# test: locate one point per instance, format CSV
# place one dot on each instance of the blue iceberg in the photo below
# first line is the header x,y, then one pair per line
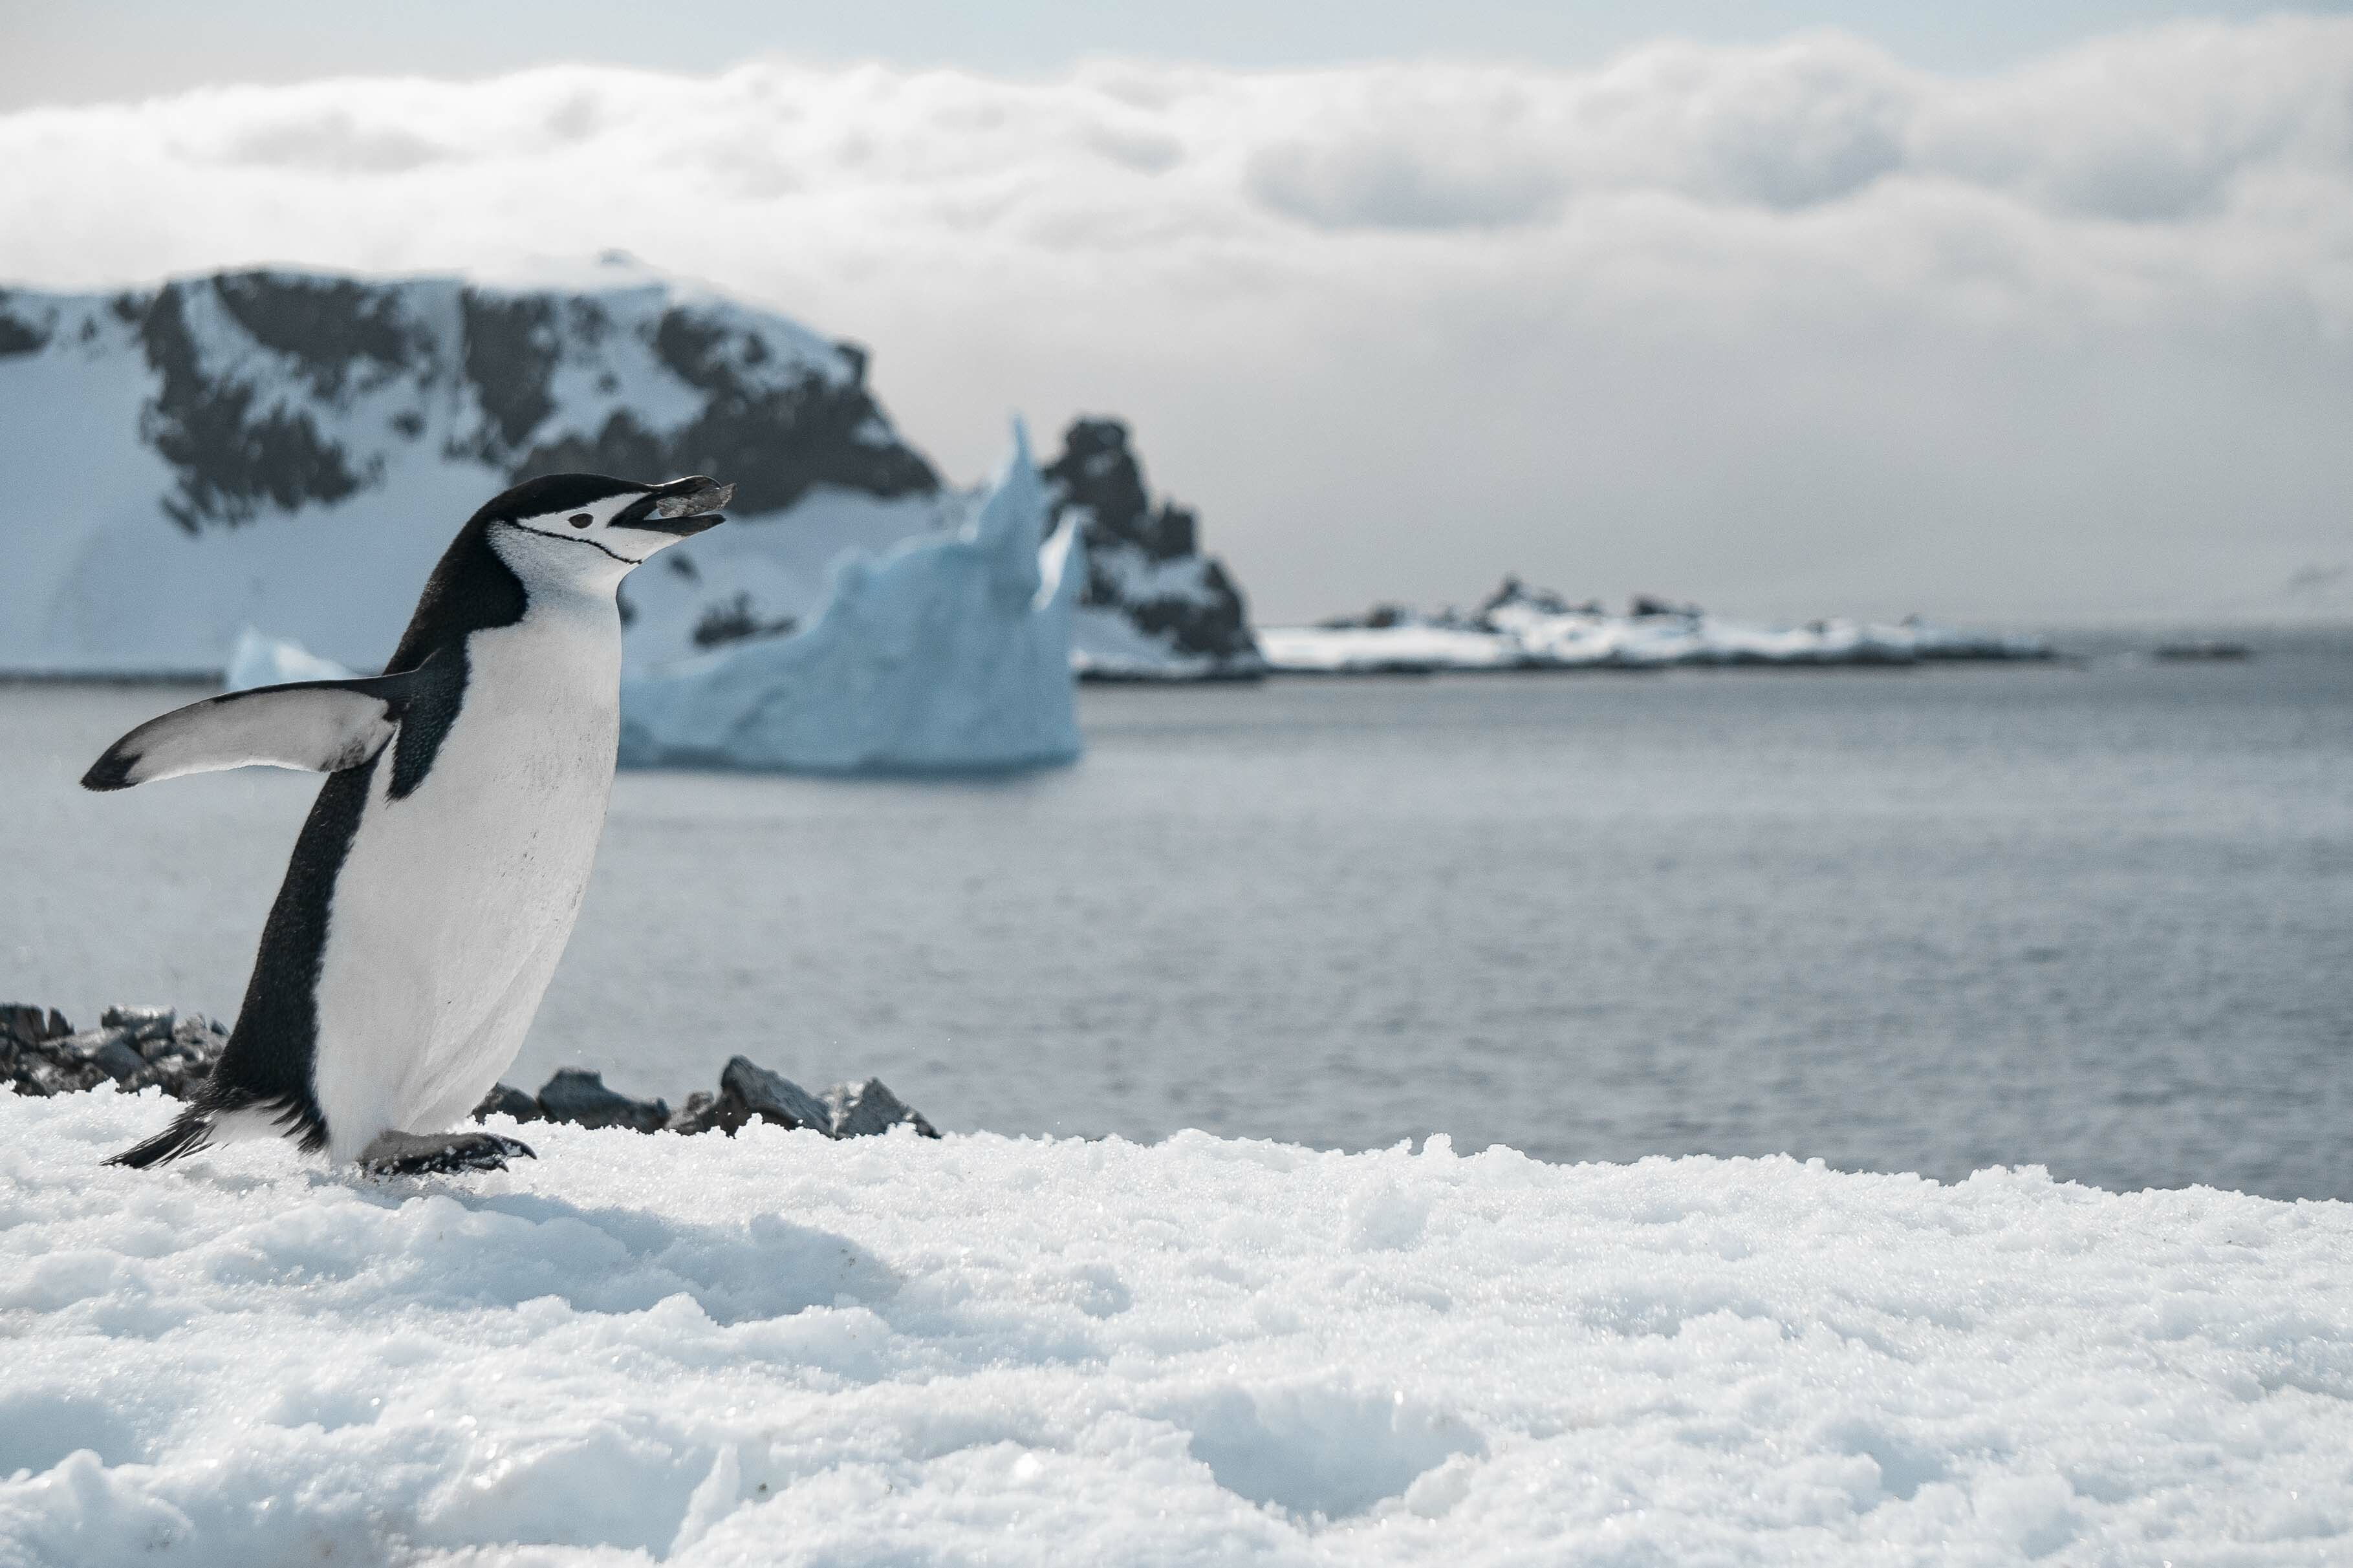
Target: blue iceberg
x,y
948,654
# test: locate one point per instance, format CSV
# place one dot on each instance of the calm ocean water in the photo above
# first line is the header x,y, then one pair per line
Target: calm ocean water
x,y
2095,918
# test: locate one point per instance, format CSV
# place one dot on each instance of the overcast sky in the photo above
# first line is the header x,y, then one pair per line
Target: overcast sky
x,y
2047,316
84,53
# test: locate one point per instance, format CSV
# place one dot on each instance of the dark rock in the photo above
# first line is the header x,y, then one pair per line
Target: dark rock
x,y
109,1050
578,1096
137,1047
143,1023
177,1076
40,1076
506,1099
702,1113
197,1036
769,1096
863,1109
18,336
22,1025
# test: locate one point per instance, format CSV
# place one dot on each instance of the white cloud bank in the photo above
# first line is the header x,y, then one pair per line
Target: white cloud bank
x,y
1791,330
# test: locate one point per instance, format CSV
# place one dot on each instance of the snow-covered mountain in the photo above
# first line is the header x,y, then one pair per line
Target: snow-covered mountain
x,y
291,451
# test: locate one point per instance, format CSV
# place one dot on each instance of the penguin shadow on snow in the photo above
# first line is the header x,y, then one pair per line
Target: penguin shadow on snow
x,y
506,1248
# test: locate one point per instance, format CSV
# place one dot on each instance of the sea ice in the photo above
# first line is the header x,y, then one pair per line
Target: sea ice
x,y
950,653
780,1348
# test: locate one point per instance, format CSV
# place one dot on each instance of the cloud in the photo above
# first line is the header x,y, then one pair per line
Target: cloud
x,y
1798,326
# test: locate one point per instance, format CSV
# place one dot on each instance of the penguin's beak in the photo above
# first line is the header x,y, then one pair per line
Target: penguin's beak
x,y
680,508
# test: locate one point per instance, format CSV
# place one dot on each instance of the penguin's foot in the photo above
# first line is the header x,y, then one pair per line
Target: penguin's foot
x,y
412,1154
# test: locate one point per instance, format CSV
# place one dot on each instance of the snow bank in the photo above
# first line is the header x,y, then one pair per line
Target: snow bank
x,y
784,1348
951,653
259,660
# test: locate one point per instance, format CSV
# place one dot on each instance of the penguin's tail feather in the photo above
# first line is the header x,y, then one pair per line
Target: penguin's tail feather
x,y
189,1132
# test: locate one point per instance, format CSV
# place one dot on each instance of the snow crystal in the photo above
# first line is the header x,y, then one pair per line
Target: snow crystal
x,y
784,1348
950,653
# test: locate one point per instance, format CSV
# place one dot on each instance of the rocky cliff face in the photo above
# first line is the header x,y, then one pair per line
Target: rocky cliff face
x,y
1154,606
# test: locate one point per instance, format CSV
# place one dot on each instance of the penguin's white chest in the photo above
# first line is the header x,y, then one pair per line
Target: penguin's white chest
x,y
454,903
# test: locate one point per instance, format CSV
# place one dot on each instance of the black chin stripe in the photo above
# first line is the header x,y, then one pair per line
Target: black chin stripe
x,y
576,539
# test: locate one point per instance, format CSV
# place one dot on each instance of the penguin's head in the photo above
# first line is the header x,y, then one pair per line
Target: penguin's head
x,y
590,529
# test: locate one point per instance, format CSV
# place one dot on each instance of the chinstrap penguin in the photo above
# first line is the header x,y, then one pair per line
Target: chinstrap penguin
x,y
439,875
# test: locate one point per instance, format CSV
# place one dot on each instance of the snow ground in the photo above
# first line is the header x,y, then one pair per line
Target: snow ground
x,y
784,1350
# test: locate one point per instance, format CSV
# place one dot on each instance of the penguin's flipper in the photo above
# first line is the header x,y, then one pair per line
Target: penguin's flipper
x,y
323,726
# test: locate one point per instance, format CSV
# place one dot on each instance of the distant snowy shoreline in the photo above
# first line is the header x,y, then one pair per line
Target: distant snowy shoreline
x,y
1520,628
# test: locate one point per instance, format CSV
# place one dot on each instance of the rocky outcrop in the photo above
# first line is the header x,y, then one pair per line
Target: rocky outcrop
x,y
140,1048
747,1092
1163,610
133,1047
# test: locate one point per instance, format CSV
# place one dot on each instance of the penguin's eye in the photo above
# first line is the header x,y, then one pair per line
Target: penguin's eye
x,y
581,519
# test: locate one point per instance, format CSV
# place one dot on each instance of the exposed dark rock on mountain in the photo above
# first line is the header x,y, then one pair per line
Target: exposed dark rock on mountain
x,y
1510,592
776,441
735,619
1651,605
18,336
232,448
1144,561
775,418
